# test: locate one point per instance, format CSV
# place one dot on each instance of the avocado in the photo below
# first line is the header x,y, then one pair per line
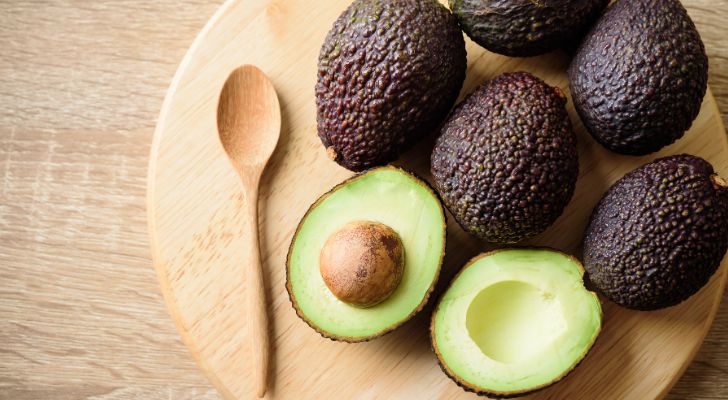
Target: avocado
x,y
639,76
522,28
388,73
659,233
366,255
505,163
514,321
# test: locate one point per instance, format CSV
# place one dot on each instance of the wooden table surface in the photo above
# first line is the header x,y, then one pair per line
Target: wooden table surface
x,y
81,315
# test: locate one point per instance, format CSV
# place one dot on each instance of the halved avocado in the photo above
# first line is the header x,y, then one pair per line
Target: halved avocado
x,y
387,198
514,321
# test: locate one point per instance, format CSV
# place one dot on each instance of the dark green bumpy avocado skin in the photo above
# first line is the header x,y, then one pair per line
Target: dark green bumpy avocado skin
x,y
505,163
639,76
658,234
389,71
521,28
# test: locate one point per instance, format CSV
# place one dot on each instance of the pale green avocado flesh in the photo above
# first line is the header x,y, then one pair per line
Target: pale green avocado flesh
x,y
515,320
387,195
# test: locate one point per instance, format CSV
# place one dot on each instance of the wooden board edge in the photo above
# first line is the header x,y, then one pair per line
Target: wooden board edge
x,y
722,280
157,261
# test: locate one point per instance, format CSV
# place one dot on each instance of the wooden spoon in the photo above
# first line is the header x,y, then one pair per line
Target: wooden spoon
x,y
249,124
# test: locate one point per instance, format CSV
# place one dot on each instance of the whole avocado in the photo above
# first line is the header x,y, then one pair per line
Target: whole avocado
x,y
388,73
659,233
639,76
505,163
522,28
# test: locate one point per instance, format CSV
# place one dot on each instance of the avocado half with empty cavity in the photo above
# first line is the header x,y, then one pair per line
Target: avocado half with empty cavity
x,y
366,255
514,321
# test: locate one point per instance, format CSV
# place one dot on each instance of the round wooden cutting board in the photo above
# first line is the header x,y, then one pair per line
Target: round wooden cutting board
x,y
195,220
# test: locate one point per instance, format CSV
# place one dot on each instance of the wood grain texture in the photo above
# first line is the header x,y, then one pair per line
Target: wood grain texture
x,y
81,316
196,217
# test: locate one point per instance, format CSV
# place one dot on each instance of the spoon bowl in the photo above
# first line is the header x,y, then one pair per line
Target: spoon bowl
x,y
248,117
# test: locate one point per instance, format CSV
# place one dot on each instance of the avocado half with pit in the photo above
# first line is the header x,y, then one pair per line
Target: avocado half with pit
x,y
514,321
366,255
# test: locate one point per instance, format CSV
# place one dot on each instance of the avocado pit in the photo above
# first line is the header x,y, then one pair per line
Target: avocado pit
x,y
362,263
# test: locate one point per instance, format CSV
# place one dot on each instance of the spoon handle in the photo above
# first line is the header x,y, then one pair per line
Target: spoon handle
x,y
258,315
